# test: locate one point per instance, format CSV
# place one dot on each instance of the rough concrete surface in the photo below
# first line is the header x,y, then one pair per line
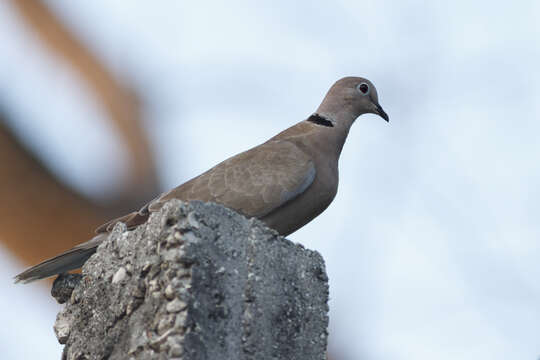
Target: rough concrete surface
x,y
197,282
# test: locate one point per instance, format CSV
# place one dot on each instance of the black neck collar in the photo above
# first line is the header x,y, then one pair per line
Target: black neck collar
x,y
320,120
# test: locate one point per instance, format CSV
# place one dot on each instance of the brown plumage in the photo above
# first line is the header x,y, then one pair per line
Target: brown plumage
x,y
285,182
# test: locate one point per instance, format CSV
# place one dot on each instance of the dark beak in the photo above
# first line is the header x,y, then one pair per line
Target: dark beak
x,y
379,111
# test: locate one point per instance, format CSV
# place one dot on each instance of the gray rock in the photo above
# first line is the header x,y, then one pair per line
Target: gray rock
x,y
197,282
63,286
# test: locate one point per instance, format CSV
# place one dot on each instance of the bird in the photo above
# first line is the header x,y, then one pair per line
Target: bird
x,y
285,182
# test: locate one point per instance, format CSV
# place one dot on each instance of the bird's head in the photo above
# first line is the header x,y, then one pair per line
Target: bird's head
x,y
349,98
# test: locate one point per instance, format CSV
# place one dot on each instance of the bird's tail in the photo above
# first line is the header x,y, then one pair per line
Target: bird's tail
x,y
72,259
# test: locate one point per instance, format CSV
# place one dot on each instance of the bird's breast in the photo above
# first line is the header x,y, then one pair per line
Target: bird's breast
x,y
308,205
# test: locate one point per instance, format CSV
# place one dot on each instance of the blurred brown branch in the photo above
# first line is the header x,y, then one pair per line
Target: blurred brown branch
x,y
120,102
39,215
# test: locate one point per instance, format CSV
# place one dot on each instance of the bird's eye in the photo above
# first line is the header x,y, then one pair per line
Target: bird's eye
x,y
363,88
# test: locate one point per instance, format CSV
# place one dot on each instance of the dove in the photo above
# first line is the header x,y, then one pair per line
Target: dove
x,y
285,182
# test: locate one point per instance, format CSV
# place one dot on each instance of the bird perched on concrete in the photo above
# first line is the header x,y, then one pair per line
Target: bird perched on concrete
x,y
285,182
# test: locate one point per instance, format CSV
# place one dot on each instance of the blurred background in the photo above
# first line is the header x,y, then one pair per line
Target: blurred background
x,y
432,243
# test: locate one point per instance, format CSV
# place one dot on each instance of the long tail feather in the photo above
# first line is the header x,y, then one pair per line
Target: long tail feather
x,y
69,260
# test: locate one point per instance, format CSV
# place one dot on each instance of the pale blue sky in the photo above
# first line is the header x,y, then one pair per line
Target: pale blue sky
x,y
432,242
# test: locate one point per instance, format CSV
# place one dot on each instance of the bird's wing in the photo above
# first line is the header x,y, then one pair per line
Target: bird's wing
x,y
254,183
